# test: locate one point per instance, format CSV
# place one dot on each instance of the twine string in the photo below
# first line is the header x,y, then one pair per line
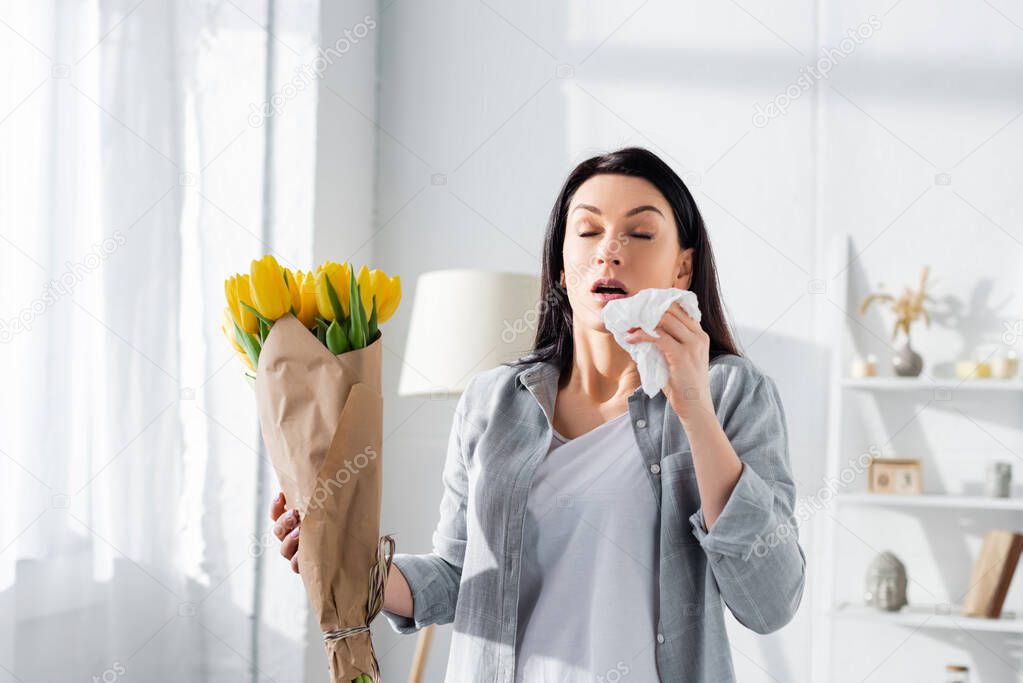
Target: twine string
x,y
377,580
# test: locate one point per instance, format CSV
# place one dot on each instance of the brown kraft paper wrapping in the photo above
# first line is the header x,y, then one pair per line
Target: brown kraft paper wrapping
x,y
321,418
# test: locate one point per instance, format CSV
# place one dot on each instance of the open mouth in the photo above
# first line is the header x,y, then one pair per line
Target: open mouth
x,y
607,289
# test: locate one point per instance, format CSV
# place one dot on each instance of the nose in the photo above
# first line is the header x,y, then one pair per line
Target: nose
x,y
608,253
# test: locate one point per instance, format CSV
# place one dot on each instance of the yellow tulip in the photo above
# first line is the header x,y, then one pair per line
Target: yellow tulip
x,y
270,293
246,360
337,274
305,301
387,291
237,291
227,327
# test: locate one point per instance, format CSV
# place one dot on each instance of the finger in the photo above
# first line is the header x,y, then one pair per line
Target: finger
x,y
290,545
660,342
689,331
681,331
691,323
687,320
285,523
677,313
294,563
277,506
674,330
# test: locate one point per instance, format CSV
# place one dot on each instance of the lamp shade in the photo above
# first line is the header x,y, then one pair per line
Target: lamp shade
x,y
464,322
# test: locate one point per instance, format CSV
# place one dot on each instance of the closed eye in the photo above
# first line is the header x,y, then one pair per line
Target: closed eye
x,y
640,236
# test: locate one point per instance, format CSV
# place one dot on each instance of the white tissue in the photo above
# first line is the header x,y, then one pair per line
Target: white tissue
x,y
644,309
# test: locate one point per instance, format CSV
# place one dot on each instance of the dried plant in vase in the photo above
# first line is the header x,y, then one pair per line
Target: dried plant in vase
x,y
907,309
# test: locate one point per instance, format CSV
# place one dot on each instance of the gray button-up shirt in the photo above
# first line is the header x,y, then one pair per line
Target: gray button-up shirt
x,y
750,561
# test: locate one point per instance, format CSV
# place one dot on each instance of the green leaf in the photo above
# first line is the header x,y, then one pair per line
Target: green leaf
x,y
264,332
321,323
372,326
287,286
357,324
256,313
337,342
339,312
249,343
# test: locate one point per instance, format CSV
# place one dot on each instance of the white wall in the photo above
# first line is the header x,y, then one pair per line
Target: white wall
x,y
483,110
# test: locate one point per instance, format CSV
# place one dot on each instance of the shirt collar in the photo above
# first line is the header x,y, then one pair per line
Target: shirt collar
x,y
541,379
535,373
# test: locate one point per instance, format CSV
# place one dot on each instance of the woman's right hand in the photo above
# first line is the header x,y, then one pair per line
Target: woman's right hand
x,y
397,593
286,529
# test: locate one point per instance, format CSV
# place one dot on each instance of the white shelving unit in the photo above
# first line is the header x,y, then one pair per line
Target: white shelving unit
x,y
833,608
930,384
930,617
931,501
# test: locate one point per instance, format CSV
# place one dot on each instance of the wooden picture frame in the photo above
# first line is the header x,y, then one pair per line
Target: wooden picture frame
x,y
895,476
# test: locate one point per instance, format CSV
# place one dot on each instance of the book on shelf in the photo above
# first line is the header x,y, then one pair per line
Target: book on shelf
x,y
992,574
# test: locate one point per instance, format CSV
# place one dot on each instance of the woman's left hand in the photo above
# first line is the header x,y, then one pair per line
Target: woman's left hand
x,y
686,349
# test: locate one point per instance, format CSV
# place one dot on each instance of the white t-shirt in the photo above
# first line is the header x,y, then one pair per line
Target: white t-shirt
x,y
588,588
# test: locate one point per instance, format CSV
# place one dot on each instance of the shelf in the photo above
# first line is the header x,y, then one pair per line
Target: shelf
x,y
852,419
925,383
929,384
930,617
931,501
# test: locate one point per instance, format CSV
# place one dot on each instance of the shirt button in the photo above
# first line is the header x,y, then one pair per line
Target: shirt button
x,y
641,423
660,637
655,468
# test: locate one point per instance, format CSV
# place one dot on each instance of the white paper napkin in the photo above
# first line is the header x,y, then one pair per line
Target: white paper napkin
x,y
644,310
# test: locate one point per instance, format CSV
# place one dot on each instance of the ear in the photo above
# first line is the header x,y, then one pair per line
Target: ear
x,y
684,268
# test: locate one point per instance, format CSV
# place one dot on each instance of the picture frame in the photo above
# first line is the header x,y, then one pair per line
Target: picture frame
x,y
895,476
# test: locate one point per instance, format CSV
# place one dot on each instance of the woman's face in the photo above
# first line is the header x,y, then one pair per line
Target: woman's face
x,y
619,228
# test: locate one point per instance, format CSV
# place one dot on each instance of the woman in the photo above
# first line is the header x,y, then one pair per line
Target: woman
x,y
587,531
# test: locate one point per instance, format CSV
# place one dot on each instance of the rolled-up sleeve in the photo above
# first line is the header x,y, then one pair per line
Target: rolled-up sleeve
x,y
753,545
434,578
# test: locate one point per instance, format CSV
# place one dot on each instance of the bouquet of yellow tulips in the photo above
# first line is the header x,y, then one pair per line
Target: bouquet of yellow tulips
x,y
321,301
311,344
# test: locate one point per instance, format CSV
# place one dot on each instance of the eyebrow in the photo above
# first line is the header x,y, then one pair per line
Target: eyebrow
x,y
632,212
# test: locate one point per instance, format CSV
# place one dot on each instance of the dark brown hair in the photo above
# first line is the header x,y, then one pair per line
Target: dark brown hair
x,y
553,341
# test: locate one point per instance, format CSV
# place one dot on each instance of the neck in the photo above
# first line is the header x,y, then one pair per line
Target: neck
x,y
600,368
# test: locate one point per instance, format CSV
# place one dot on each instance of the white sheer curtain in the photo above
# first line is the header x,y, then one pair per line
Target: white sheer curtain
x,y
131,181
